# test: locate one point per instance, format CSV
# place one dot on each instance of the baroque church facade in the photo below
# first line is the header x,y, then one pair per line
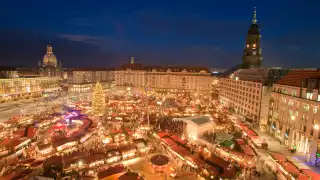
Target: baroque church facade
x,y
50,66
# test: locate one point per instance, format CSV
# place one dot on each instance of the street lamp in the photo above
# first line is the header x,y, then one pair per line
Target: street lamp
x,y
316,127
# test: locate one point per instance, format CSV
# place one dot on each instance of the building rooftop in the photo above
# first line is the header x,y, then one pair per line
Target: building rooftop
x,y
171,68
295,78
266,76
111,171
198,120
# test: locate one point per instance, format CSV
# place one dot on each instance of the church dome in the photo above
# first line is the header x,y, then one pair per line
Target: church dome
x,y
49,59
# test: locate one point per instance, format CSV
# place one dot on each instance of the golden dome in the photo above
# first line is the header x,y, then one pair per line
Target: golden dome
x,y
49,59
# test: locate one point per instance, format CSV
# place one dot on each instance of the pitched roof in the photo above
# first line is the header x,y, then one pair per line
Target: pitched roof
x,y
295,78
111,171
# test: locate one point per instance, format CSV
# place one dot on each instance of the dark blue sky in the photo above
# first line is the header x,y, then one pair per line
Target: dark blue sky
x,y
206,33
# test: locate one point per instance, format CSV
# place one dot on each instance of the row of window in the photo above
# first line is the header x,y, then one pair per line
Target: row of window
x,y
230,82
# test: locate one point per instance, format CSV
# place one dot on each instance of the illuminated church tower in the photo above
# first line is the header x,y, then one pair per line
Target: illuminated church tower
x,y
252,53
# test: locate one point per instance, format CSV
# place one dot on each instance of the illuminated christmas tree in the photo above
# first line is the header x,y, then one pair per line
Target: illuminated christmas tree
x,y
98,100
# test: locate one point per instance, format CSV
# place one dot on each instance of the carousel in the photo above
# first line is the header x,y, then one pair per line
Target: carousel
x,y
159,163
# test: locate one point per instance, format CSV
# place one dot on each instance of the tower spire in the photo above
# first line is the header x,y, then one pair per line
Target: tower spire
x,y
254,19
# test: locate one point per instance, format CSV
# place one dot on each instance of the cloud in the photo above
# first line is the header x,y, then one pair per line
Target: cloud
x,y
80,38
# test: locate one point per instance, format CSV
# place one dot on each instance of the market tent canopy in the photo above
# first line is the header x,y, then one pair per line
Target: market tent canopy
x,y
311,174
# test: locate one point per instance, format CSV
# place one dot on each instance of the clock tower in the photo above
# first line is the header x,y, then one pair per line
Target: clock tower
x,y
252,53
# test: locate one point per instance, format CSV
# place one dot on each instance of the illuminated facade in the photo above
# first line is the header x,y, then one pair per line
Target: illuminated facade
x,y
166,78
243,96
49,66
17,88
247,91
294,116
25,83
84,79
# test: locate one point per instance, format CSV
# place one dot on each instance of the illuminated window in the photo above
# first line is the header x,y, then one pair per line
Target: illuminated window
x,y
294,93
309,95
306,107
315,109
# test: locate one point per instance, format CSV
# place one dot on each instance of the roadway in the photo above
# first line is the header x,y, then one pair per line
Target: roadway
x,y
32,106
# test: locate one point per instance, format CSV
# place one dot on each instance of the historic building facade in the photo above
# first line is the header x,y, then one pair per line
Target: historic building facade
x,y
84,79
163,78
252,56
24,83
25,88
294,116
49,66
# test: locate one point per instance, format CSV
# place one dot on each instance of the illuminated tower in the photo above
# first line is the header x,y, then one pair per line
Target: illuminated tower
x,y
252,53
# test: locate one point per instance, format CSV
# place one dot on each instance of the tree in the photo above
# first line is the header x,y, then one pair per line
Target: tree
x,y
98,100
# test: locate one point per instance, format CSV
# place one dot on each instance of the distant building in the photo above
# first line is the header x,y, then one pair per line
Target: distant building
x,y
252,56
294,114
163,78
25,83
84,79
217,70
49,65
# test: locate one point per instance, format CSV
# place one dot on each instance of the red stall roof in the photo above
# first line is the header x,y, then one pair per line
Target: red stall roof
x,y
289,167
111,170
163,134
248,150
218,161
240,141
31,132
302,177
10,143
180,150
311,173
169,142
278,157
178,139
197,160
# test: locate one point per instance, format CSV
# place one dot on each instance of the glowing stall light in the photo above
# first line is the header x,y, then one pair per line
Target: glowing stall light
x,y
106,140
128,155
96,163
46,151
67,145
85,138
113,159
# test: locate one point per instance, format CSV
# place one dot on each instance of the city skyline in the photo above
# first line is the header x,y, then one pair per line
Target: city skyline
x,y
205,34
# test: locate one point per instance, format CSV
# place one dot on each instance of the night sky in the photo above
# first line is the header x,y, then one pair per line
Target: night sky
x,y
100,33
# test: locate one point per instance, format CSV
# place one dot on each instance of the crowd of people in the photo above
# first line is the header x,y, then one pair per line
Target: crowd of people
x,y
166,123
